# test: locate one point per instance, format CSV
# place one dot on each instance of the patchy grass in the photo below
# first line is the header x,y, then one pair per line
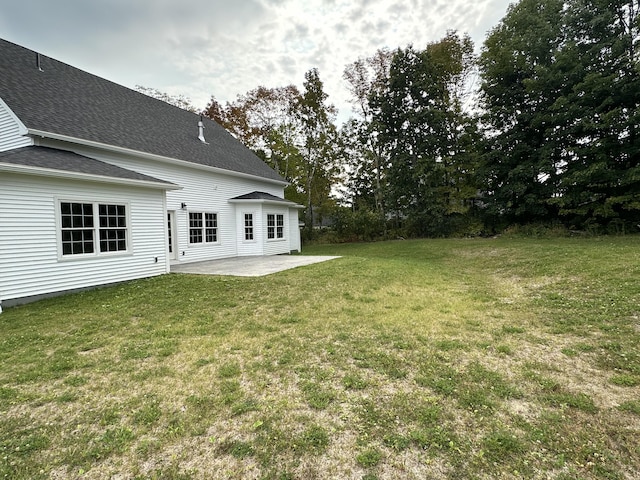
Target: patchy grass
x,y
443,359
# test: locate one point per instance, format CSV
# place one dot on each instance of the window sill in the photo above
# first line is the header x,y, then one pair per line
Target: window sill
x,y
94,256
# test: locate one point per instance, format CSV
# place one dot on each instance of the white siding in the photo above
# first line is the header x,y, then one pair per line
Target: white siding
x,y
30,263
278,245
248,247
12,132
204,191
294,231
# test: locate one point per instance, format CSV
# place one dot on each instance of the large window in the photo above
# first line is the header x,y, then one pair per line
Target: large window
x,y
203,227
275,226
81,234
248,226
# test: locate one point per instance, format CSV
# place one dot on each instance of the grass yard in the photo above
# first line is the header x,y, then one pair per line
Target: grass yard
x,y
439,359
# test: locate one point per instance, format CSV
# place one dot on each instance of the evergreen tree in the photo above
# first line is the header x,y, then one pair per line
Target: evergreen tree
x,y
597,118
427,135
520,166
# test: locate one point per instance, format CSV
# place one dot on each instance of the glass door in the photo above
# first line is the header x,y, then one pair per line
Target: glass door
x,y
171,235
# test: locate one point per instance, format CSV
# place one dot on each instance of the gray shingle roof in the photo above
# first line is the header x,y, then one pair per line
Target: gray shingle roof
x,y
51,158
261,196
64,100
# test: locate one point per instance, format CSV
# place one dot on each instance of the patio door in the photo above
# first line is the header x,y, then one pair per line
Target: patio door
x,y
171,235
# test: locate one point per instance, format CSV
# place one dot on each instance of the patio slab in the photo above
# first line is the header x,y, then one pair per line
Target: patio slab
x,y
256,266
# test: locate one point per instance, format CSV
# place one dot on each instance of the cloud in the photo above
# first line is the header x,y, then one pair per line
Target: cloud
x,y
288,64
222,48
341,28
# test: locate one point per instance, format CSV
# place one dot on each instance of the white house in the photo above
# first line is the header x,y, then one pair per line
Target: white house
x,y
101,184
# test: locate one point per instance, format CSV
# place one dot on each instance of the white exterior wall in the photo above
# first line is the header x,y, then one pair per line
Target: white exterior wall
x,y
12,132
255,246
276,246
205,191
31,263
208,192
294,231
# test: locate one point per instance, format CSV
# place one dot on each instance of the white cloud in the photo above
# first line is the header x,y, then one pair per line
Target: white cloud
x,y
226,48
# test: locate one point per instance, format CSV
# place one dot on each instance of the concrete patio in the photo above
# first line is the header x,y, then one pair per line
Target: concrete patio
x,y
257,266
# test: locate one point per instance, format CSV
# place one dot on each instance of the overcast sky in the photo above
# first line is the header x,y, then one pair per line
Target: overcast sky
x,y
228,47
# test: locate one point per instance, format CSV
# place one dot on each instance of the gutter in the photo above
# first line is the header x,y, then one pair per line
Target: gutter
x,y
66,174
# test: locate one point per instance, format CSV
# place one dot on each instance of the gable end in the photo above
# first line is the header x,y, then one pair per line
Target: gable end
x,y
12,131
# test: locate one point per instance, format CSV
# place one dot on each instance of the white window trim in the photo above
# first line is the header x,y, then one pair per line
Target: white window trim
x,y
96,228
275,227
253,227
204,242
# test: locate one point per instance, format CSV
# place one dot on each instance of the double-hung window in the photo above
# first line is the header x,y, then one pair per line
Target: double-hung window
x,y
275,226
211,227
248,226
203,227
93,228
113,228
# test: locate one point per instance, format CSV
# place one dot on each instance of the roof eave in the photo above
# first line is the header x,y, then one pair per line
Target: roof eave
x,y
282,203
53,173
150,156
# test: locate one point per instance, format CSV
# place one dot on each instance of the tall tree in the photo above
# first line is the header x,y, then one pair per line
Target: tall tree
x,y
264,120
426,134
318,146
293,132
361,173
597,118
520,166
455,60
561,86
366,161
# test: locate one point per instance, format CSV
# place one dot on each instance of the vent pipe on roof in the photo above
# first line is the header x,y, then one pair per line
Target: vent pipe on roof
x,y
38,63
201,131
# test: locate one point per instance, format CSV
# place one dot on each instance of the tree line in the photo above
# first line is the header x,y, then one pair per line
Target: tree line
x,y
540,127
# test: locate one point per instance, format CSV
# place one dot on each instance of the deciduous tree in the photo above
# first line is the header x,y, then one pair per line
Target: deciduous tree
x,y
365,156
318,145
427,135
180,101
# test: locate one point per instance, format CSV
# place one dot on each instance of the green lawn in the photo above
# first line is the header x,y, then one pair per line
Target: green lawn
x,y
492,358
